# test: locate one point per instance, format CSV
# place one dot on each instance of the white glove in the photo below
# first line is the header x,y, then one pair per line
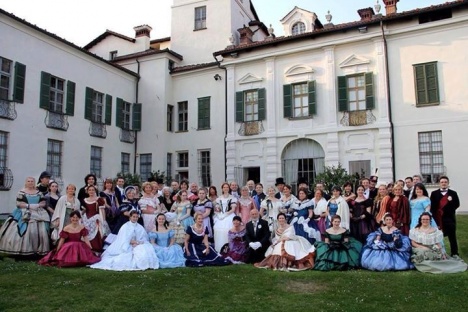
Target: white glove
x,y
307,220
258,245
33,206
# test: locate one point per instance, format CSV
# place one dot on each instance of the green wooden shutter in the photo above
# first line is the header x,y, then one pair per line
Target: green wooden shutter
x,y
287,101
432,83
342,94
204,113
240,106
20,78
312,98
420,84
370,102
119,112
70,108
136,120
261,104
44,101
88,103
108,119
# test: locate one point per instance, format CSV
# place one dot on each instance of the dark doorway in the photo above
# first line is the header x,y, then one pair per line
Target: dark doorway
x,y
252,173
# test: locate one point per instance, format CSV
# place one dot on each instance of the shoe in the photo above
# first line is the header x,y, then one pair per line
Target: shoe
x,y
456,257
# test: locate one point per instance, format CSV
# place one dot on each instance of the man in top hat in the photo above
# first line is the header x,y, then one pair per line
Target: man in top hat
x,y
43,182
372,189
279,186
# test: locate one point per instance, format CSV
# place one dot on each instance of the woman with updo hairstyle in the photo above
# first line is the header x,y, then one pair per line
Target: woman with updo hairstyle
x,y
338,251
162,238
183,219
65,205
387,249
74,248
94,218
362,222
236,250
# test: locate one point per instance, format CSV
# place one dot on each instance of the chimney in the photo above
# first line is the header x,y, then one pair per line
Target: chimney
x,y
246,35
142,36
366,14
390,6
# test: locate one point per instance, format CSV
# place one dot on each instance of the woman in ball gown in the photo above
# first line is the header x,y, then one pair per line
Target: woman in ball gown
x,y
236,251
170,255
182,207
387,249
225,209
65,205
428,253
198,251
337,205
419,203
149,204
26,230
129,203
204,206
303,218
397,205
270,207
94,218
377,210
166,199
130,251
288,252
112,206
321,211
287,199
74,248
52,197
90,179
362,222
348,194
244,204
339,251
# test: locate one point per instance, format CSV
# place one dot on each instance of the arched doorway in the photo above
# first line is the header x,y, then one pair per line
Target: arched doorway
x,y
302,158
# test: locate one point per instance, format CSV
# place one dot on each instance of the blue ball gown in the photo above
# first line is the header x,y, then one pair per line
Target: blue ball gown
x,y
196,247
169,256
387,254
417,207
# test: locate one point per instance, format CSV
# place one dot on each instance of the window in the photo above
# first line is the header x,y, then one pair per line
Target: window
x,y
204,170
250,105
98,107
204,113
183,160
356,92
128,115
360,167
431,158
3,149
200,18
170,114
299,100
298,28
125,162
54,158
145,166
6,67
426,84
169,166
96,161
57,95
183,116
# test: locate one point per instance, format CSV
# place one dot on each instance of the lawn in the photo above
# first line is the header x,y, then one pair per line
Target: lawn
x,y
25,286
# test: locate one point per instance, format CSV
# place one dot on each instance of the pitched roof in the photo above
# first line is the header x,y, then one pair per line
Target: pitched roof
x,y
146,53
340,27
68,43
160,40
186,68
105,35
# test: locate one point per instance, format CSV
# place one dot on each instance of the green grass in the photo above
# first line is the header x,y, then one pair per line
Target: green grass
x,y
25,286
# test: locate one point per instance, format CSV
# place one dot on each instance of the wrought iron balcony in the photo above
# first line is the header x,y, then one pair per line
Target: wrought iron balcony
x,y
7,110
6,179
127,136
97,129
357,118
56,121
251,128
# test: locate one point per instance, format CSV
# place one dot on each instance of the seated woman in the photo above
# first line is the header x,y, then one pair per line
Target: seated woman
x,y
128,204
131,249
198,251
428,254
170,255
289,252
237,248
74,248
339,251
387,249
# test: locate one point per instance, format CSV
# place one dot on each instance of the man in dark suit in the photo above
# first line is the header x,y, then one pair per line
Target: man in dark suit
x,y
279,185
251,185
119,190
444,203
258,236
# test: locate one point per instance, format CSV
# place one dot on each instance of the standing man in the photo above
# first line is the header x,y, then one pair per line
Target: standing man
x,y
444,203
372,189
321,187
258,236
279,186
119,190
43,183
365,182
251,185
409,187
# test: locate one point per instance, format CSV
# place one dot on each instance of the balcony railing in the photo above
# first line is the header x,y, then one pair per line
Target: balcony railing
x,y
56,121
6,179
97,129
7,110
357,118
251,128
127,136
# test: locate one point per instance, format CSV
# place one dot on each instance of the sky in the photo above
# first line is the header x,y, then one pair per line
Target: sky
x,y
82,21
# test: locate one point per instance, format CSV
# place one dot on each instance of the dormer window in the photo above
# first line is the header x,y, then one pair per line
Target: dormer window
x,y
298,28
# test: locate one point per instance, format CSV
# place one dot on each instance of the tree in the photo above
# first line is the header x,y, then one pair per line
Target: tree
x,y
335,176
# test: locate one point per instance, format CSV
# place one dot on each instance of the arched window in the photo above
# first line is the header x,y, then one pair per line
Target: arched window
x,y
298,28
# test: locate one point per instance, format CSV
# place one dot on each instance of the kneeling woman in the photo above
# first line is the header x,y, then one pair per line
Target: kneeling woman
x,y
198,251
338,251
289,252
74,248
131,249
387,249
170,255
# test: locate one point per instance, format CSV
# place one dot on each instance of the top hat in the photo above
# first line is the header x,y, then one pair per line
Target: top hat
x,y
302,180
279,181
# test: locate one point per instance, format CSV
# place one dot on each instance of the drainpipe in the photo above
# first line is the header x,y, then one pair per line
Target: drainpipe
x,y
135,145
390,119
225,116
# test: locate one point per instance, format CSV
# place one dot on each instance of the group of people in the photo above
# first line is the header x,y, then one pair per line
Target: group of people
x,y
380,227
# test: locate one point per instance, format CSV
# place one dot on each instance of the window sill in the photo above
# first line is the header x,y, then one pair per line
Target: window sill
x,y
198,29
427,104
181,131
300,118
201,129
